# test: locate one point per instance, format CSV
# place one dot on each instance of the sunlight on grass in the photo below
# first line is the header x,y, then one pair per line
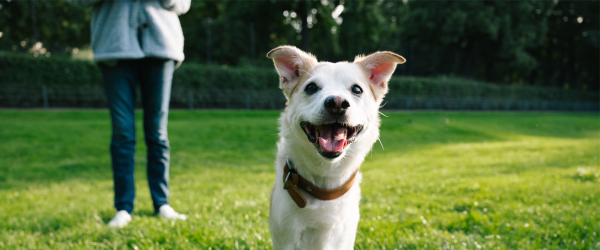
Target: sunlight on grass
x,y
444,180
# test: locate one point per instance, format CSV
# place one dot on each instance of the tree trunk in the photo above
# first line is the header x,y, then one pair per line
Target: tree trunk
x,y
303,13
34,24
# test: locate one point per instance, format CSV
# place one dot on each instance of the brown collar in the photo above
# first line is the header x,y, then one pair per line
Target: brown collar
x,y
292,181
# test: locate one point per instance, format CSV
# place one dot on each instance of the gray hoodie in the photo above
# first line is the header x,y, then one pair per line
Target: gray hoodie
x,y
133,29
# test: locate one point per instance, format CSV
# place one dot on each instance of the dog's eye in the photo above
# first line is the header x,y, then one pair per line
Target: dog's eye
x,y
311,88
356,90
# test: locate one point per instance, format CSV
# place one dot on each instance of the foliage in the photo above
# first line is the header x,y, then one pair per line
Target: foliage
x,y
569,53
461,88
59,25
27,71
498,32
527,42
230,25
445,180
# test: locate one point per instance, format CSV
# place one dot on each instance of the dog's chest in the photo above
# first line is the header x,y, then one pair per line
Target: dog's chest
x,y
322,224
327,214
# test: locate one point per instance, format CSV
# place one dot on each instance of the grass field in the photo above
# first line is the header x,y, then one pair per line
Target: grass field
x,y
443,181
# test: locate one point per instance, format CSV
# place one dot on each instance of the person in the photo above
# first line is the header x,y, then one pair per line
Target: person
x,y
138,41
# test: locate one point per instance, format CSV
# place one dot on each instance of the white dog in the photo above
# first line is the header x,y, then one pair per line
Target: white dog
x,y
329,125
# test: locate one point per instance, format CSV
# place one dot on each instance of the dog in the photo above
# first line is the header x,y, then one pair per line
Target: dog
x,y
329,125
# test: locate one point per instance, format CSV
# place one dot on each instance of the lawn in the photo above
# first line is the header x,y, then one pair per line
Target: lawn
x,y
439,180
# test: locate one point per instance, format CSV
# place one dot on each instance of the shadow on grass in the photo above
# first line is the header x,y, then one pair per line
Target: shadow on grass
x,y
145,213
539,124
74,145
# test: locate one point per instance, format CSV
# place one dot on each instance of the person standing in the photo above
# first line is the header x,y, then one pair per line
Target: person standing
x,y
137,41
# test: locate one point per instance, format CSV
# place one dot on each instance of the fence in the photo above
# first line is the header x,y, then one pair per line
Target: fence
x,y
92,96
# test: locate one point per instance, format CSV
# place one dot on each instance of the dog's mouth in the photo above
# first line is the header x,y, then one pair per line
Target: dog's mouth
x,y
330,139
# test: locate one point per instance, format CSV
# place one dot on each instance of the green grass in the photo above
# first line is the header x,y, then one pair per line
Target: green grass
x,y
444,180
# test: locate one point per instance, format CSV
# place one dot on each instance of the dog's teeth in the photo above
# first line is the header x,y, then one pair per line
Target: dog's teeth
x,y
346,133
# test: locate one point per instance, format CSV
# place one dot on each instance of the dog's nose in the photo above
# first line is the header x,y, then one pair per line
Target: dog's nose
x,y
336,105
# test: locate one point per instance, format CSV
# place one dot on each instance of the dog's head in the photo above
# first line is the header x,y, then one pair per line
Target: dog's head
x,y
332,105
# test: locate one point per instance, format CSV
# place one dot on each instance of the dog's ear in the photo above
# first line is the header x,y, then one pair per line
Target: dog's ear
x,y
378,67
291,64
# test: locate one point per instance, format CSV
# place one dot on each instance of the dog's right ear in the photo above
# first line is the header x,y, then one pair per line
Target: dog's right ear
x,y
291,64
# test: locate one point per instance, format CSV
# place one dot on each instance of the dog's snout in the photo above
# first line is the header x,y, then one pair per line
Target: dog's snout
x,y
336,105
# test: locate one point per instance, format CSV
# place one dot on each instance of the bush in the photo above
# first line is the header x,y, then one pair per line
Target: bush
x,y
22,70
200,76
26,70
460,88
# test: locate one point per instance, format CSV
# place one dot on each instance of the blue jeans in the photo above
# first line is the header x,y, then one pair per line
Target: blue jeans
x,y
120,81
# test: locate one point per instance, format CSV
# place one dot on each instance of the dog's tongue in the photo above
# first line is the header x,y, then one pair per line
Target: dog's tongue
x,y
332,138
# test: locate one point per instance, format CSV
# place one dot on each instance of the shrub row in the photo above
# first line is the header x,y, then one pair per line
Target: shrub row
x,y
460,88
27,71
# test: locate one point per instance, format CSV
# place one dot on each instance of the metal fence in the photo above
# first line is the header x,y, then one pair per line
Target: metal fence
x,y
92,96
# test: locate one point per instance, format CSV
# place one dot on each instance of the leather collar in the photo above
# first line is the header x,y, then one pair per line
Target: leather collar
x,y
292,181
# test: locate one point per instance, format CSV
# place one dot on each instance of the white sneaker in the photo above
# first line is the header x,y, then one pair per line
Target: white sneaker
x,y
168,212
120,220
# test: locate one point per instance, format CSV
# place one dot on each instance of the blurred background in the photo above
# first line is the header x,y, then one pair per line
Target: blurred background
x,y
446,179
461,55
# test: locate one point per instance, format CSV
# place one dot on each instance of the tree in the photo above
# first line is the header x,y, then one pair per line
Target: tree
x,y
493,37
275,22
569,52
60,25
552,43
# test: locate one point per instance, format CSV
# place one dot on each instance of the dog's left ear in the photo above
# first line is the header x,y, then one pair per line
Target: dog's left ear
x,y
378,67
291,64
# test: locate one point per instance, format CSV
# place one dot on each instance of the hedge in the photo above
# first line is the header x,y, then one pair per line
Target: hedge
x,y
460,88
26,71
